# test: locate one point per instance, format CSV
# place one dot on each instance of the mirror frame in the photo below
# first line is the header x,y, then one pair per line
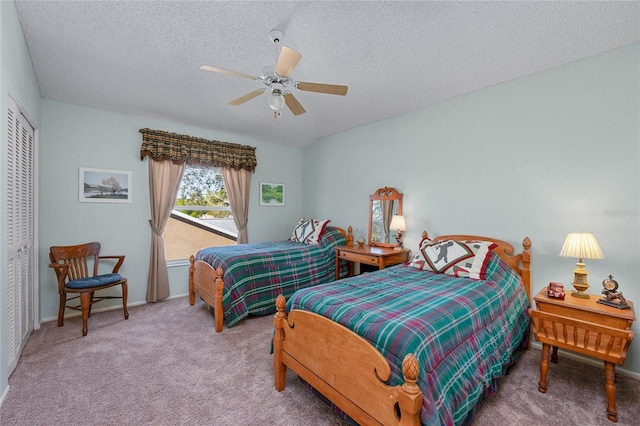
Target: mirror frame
x,y
382,194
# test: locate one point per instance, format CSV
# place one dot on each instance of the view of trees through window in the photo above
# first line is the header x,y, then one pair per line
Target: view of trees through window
x,y
201,216
202,194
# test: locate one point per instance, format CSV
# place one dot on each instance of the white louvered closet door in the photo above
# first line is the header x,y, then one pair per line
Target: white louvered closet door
x,y
20,272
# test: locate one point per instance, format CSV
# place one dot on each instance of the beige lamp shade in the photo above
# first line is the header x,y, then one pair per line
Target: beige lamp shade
x,y
581,245
398,223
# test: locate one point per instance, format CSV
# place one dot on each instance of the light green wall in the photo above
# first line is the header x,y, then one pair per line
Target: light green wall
x,y
16,77
541,156
73,136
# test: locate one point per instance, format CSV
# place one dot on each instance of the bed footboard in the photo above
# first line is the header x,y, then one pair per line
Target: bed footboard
x,y
345,368
207,282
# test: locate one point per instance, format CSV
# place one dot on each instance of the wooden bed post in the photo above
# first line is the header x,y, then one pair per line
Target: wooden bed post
x,y
218,312
192,293
349,236
526,265
410,400
279,369
525,273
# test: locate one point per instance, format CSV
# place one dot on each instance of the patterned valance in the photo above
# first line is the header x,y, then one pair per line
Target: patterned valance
x,y
160,145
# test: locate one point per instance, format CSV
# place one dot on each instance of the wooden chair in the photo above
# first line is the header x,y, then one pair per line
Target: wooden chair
x,y
76,268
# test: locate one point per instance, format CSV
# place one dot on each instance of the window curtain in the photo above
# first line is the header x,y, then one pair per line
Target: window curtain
x,y
169,154
164,181
238,183
161,145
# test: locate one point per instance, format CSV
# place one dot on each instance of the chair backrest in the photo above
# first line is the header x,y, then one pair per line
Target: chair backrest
x,y
82,259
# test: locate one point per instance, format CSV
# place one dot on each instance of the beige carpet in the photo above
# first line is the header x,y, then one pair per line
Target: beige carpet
x,y
167,366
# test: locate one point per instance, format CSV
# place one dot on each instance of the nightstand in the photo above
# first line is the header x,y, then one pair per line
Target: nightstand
x,y
585,327
369,255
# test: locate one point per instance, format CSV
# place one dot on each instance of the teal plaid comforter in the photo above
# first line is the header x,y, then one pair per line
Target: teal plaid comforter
x,y
464,332
255,274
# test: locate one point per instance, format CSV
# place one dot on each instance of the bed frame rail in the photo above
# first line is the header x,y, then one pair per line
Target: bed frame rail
x,y
207,283
364,397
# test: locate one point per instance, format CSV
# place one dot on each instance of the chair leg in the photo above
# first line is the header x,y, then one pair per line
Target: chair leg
x,y
61,308
125,291
90,305
85,305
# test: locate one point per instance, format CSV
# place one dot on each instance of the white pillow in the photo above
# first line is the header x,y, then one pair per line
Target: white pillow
x,y
308,231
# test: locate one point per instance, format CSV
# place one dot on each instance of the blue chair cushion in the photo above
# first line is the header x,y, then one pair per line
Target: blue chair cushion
x,y
97,281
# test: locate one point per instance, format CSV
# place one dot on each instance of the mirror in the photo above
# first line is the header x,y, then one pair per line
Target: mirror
x,y
383,204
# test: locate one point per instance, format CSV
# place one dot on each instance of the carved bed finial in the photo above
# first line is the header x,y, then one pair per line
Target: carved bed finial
x,y
410,370
526,243
349,236
219,272
280,303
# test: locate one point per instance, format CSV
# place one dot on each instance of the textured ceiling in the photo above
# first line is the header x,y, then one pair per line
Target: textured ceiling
x,y
144,57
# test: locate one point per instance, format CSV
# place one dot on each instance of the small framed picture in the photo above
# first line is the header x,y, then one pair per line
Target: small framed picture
x,y
104,186
271,194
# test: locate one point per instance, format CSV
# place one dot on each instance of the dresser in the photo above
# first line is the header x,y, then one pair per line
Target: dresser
x,y
380,257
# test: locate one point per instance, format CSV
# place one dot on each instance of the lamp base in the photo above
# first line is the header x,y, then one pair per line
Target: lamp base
x,y
580,282
399,244
580,294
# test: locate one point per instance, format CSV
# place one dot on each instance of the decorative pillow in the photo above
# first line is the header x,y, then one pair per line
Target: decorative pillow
x,y
308,231
458,258
424,242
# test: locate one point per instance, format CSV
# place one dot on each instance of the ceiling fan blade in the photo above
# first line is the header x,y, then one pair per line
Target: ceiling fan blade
x,y
287,61
331,89
221,71
247,97
293,104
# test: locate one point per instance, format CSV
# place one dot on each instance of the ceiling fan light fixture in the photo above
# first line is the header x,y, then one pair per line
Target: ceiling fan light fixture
x,y
276,100
278,81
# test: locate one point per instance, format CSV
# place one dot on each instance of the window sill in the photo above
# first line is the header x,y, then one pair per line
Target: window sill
x,y
177,263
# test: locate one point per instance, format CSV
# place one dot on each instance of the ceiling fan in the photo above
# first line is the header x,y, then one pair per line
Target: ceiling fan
x,y
278,82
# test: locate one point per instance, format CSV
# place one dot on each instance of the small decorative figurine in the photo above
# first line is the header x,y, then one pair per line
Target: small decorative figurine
x,y
555,290
612,296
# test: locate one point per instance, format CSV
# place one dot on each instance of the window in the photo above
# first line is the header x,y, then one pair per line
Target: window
x,y
201,216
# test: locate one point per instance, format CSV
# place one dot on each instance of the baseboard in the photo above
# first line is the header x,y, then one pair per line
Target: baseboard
x,y
72,314
4,395
590,361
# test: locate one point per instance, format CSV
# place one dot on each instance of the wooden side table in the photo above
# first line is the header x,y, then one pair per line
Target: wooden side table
x,y
369,255
585,327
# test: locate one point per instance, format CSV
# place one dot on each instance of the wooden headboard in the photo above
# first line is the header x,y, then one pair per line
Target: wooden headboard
x,y
521,263
347,234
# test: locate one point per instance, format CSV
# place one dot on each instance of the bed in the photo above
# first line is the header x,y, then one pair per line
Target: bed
x,y
242,280
396,347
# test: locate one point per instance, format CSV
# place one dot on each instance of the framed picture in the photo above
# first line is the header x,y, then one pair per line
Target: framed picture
x,y
104,186
271,194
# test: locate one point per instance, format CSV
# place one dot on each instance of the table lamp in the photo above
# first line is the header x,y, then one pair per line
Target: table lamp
x,y
581,245
398,223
